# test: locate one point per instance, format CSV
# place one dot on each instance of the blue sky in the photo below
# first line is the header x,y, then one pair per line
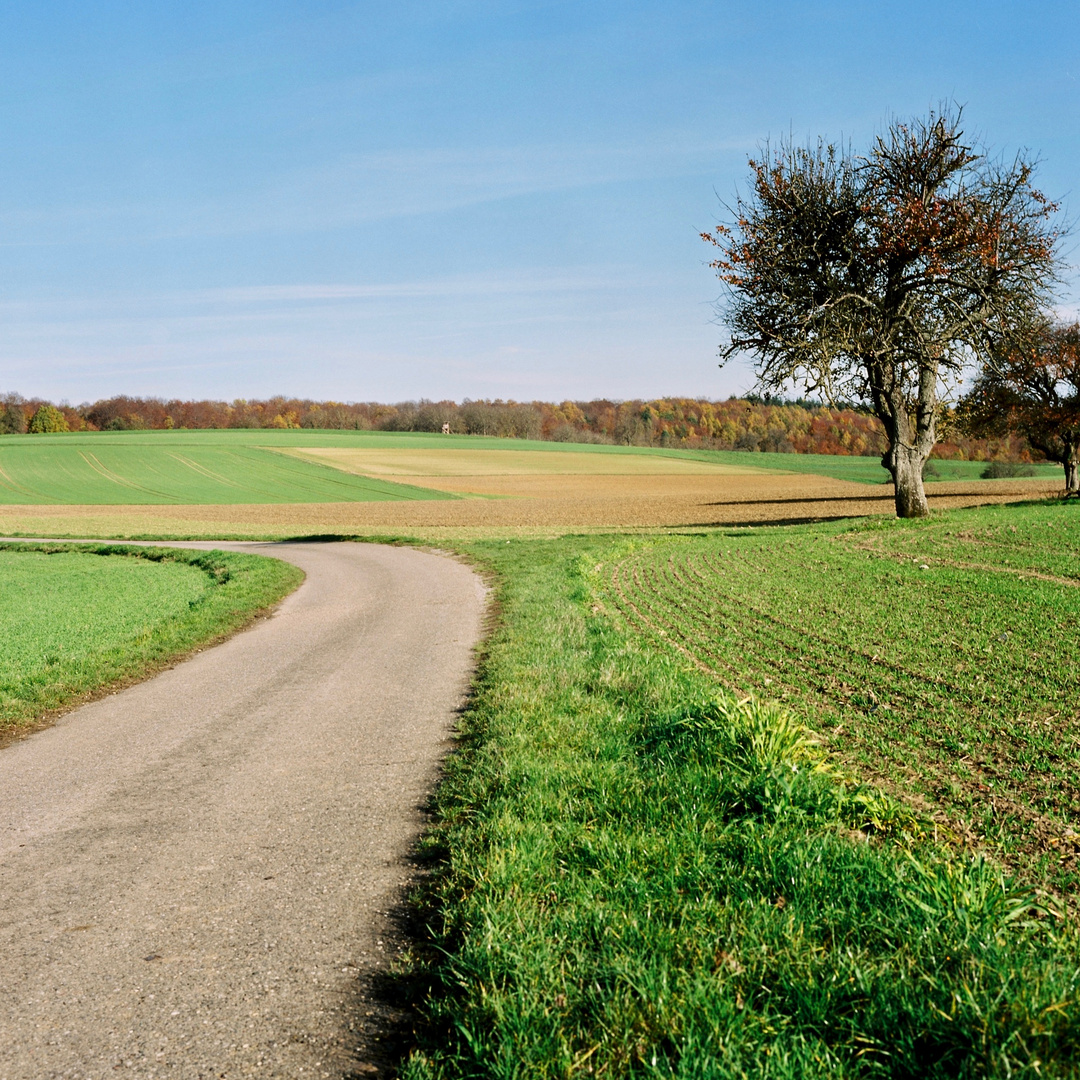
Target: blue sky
x,y
387,201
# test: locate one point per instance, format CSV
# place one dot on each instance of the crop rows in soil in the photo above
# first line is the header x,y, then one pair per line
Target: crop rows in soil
x,y
924,719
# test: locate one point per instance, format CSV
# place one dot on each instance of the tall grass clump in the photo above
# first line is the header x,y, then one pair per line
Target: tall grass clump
x,y
635,874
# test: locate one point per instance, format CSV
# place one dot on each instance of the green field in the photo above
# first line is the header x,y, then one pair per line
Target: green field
x,y
633,874
860,470
927,655
79,618
868,869
203,467
222,467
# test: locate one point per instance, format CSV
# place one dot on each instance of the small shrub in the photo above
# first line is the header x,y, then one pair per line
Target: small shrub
x,y
1004,470
127,422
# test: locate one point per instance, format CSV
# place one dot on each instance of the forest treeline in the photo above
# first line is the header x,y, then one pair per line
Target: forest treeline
x,y
750,423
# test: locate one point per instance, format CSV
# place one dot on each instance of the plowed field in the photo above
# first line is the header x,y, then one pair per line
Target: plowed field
x,y
456,468
529,505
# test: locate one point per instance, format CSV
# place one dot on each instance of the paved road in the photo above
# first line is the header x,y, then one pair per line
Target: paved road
x,y
195,873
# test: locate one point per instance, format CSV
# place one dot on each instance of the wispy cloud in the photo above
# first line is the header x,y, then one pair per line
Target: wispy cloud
x,y
354,189
509,284
103,306
361,188
571,331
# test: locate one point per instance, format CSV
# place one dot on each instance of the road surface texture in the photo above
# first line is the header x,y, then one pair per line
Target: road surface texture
x,y
196,874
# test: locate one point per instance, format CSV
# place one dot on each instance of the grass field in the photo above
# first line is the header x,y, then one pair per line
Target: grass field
x,y
77,620
252,467
866,470
633,874
162,467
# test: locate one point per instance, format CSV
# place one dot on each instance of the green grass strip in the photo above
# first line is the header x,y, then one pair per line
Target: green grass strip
x,y
78,618
860,470
635,874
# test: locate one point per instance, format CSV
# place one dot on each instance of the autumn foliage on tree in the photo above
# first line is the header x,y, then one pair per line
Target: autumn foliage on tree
x,y
1033,389
747,424
881,279
47,419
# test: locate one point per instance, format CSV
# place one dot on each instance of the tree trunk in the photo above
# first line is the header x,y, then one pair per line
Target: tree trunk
x,y
1072,475
907,478
906,462
910,429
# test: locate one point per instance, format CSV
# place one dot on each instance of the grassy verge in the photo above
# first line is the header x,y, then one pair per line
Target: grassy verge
x,y
79,619
639,873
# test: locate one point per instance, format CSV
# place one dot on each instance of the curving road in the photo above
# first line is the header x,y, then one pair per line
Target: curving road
x,y
195,873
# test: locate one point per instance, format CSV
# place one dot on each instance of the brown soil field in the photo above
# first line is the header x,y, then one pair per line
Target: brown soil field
x,y
529,505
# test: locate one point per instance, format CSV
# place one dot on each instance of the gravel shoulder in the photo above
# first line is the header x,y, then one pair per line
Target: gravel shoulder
x,y
196,873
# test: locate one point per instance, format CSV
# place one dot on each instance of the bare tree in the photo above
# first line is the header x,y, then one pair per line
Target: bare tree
x,y
883,278
1033,389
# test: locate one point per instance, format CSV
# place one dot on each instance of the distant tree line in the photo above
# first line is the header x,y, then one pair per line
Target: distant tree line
x,y
751,423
